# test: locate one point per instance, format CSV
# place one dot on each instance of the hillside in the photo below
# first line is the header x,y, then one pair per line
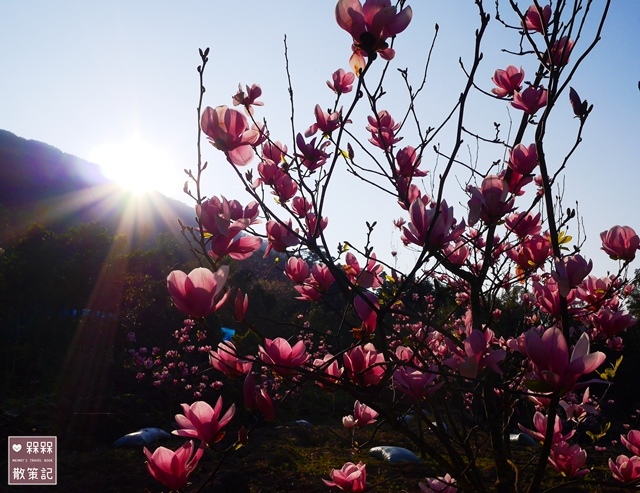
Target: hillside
x,y
42,184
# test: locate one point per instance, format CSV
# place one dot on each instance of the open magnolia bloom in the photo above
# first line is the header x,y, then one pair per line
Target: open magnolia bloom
x,y
554,369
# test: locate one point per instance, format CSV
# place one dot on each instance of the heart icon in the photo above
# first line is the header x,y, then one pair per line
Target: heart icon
x,y
16,447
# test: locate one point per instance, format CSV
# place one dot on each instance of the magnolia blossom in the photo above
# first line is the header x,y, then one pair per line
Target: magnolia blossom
x,y
248,99
507,81
226,360
383,130
441,484
341,82
523,159
362,416
537,19
280,236
229,132
549,354
367,305
540,424
370,25
570,271
364,365
530,100
283,358
431,227
351,477
329,370
524,224
568,459
197,294
325,122
625,469
416,383
560,51
489,201
620,243
203,422
632,441
173,468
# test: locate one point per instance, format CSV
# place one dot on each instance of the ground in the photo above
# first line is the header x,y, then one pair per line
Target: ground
x,y
280,457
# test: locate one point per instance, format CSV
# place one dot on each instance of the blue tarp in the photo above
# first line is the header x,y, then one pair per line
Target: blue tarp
x,y
227,333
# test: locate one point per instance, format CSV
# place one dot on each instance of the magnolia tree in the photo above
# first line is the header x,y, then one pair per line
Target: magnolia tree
x,y
467,379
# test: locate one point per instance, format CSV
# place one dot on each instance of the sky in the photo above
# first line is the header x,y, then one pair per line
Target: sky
x,y
106,81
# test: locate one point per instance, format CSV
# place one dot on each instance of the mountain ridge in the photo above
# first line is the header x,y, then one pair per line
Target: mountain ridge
x,y
41,184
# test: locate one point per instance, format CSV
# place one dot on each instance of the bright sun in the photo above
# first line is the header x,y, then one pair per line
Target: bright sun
x,y
136,166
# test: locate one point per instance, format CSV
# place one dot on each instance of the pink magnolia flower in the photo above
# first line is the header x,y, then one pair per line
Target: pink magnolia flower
x,y
540,425
524,224
632,441
367,313
370,25
203,422
457,252
312,156
441,484
476,354
284,187
314,227
530,100
325,122
280,237
341,82
297,270
620,243
578,411
568,459
238,247
408,163
248,100
259,399
537,20
279,354
301,206
625,469
220,216
329,369
240,306
560,51
229,132
531,253
274,151
322,276
362,416
264,403
416,383
173,468
571,271
369,277
609,323
351,477
383,130
554,368
421,231
197,294
226,360
507,81
364,365
523,159
489,201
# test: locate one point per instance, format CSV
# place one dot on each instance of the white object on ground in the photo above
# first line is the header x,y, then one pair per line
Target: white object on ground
x,y
145,436
394,455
